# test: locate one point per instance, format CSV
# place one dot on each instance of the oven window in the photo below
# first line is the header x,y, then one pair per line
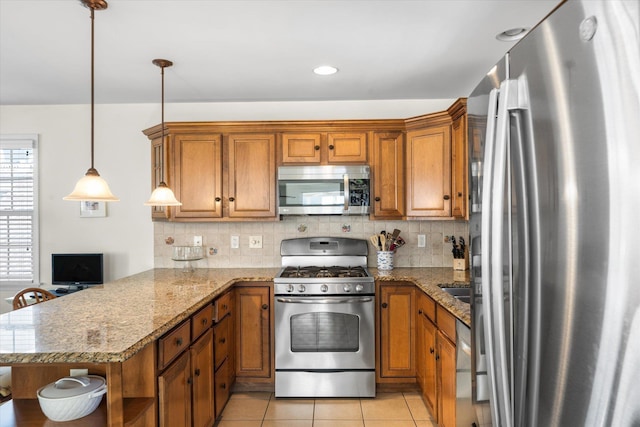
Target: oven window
x,y
325,332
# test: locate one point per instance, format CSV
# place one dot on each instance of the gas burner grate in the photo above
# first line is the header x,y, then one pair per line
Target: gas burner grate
x,y
323,272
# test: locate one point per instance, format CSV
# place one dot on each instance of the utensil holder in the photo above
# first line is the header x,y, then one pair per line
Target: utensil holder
x,y
385,260
461,264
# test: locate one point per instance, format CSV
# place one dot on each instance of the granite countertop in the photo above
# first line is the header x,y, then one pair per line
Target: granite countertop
x,y
112,322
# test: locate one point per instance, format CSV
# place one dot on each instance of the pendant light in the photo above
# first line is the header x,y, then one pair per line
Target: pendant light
x,y
162,195
92,187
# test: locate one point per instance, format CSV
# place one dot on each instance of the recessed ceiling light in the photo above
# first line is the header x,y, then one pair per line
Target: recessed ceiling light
x,y
325,70
512,35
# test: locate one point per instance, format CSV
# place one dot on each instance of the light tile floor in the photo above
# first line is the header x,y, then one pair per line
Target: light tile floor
x,y
262,409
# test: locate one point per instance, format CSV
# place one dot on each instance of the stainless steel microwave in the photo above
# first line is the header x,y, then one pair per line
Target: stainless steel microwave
x,y
323,190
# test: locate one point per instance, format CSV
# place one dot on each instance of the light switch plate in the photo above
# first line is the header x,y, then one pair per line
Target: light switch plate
x,y
255,242
235,242
422,240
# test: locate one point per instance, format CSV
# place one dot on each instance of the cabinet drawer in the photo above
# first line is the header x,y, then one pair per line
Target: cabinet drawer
x,y
221,341
446,323
201,321
173,343
222,307
223,387
427,306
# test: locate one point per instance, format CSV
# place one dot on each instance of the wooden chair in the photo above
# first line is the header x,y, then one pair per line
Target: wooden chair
x,y
23,298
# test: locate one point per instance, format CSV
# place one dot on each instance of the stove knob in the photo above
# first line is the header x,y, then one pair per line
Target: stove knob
x,y
290,288
359,288
347,288
324,288
301,288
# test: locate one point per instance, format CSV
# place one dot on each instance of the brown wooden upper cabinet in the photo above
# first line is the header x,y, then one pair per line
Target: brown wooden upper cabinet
x,y
428,166
387,164
459,160
324,148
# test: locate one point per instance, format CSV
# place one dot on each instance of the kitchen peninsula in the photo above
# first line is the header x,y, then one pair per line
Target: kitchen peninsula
x,y
114,330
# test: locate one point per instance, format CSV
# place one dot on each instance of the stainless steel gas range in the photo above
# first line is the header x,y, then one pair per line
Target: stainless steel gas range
x,y
324,319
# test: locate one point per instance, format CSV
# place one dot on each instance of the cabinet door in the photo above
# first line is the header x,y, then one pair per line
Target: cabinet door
x,y
223,387
160,173
397,337
388,174
460,191
421,346
198,176
446,355
174,393
253,331
429,172
430,388
221,339
202,374
347,147
251,176
301,148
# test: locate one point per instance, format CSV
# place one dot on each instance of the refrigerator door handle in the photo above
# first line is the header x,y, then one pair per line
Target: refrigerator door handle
x,y
499,351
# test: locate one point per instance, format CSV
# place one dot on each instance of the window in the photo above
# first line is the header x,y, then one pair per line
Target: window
x,y
19,263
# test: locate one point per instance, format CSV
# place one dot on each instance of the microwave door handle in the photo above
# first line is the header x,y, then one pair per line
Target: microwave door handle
x,y
347,193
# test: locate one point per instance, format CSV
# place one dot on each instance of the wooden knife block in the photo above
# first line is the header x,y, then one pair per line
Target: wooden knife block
x,y
461,264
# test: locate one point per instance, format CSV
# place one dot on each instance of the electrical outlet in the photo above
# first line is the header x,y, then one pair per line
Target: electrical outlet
x,y
235,242
255,242
197,240
422,240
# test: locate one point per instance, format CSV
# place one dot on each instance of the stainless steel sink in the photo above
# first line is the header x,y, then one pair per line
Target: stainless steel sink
x,y
460,293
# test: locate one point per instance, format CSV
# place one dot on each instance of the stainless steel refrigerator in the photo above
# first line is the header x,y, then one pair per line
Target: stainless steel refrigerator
x,y
554,141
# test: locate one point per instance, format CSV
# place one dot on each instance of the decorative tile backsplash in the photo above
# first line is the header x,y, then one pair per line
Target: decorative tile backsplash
x,y
216,238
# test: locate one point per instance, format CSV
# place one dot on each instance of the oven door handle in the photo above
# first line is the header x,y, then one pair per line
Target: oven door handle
x,y
324,300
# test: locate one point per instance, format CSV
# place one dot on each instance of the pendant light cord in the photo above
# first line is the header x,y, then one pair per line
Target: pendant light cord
x,y
92,81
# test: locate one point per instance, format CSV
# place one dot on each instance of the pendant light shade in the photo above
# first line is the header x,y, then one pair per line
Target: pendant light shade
x,y
92,187
162,195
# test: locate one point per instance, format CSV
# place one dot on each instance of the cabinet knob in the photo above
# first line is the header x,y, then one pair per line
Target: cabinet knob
x,y
384,305
446,197
205,321
331,147
218,199
223,340
178,342
197,372
223,386
189,380
317,147
431,350
231,199
420,311
377,199
265,306
437,356
224,306
459,194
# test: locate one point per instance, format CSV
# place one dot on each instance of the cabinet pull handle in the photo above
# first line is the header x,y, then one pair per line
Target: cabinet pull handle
x,y
223,386
431,350
224,306
189,380
197,372
178,342
331,147
384,305
420,311
232,199
204,321
265,306
377,199
223,340
446,197
317,147
218,199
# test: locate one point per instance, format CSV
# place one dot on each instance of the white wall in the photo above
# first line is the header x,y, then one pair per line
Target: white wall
x,y
122,156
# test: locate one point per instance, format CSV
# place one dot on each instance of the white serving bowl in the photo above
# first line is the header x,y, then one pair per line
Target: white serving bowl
x,y
71,398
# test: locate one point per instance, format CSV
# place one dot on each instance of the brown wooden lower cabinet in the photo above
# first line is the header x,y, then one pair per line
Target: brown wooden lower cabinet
x,y
437,355
253,332
174,393
397,332
202,381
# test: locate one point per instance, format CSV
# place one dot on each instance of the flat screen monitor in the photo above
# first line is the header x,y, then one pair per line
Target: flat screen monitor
x,y
77,269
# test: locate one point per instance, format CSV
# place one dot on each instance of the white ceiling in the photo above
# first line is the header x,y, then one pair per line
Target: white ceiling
x,y
253,50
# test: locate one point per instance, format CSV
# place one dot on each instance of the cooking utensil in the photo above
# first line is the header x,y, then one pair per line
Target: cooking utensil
x,y
383,242
375,241
393,237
